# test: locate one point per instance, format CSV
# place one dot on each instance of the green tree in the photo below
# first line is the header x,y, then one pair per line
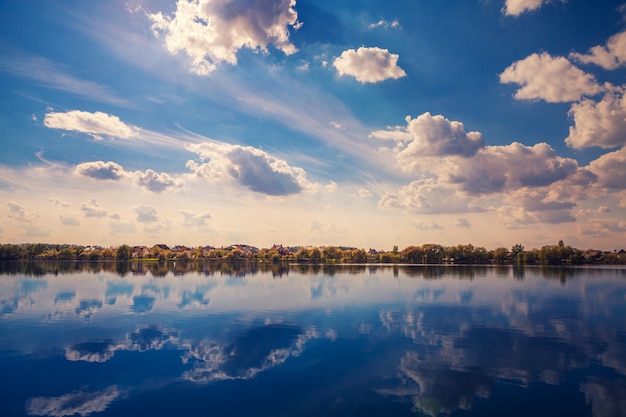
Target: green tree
x,y
500,254
412,255
302,254
316,255
516,252
122,253
331,254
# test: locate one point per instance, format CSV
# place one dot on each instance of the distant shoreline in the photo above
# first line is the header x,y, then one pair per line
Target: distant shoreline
x,y
426,254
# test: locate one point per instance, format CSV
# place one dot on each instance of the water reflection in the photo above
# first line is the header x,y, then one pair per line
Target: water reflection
x,y
364,338
82,403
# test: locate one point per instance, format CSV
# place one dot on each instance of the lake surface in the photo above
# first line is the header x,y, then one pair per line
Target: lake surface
x,y
153,340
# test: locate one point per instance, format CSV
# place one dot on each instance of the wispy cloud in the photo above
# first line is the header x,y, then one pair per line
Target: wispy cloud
x,y
519,7
56,76
94,124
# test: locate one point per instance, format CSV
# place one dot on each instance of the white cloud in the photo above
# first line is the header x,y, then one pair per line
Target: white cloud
x,y
101,170
396,133
146,214
59,202
496,169
553,79
610,169
369,65
16,211
537,200
249,167
212,31
463,222
431,225
429,135
426,196
157,182
19,213
364,193
602,227
94,124
150,179
79,402
118,227
517,7
382,23
611,56
195,219
515,217
29,221
93,209
326,229
69,220
601,124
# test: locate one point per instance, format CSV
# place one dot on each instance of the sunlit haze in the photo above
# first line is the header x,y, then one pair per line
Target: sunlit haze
x,y
313,122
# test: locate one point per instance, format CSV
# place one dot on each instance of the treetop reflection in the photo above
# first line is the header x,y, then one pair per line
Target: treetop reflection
x,y
243,269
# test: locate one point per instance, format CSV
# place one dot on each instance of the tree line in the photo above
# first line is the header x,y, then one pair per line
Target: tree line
x,y
557,254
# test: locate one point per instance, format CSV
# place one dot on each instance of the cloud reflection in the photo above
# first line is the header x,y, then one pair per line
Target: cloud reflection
x,y
258,350
141,340
82,403
87,308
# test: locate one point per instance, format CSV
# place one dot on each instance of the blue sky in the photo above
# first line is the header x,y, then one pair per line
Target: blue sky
x,y
355,123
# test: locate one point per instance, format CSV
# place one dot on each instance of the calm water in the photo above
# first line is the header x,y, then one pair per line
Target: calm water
x,y
300,341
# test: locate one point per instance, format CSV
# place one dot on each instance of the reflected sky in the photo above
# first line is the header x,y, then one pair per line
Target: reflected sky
x,y
356,341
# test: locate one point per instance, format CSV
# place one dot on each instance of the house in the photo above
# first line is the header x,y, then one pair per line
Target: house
x,y
281,249
139,252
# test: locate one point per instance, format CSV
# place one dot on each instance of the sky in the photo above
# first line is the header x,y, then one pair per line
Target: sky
x,y
298,122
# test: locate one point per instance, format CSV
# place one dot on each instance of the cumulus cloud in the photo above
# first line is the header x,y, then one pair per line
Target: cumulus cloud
x,y
118,227
385,24
497,169
531,206
602,227
426,196
19,213
326,229
150,180
94,124
195,219
146,214
157,182
93,209
249,167
16,211
601,124
538,200
80,402
59,202
610,169
28,220
364,193
553,79
518,7
462,222
213,31
369,65
431,225
431,136
69,220
611,56
100,170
